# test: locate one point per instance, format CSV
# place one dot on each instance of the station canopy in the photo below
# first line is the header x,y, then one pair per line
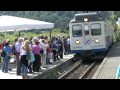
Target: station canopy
x,y
8,23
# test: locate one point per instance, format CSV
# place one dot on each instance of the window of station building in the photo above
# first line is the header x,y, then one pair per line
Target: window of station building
x,y
96,29
77,30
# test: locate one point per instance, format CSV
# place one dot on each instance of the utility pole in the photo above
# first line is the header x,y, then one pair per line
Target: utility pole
x,y
19,33
50,32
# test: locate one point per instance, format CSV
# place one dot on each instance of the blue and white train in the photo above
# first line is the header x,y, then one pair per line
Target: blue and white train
x,y
90,35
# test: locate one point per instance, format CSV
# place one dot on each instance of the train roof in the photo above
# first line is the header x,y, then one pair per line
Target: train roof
x,y
94,16
91,17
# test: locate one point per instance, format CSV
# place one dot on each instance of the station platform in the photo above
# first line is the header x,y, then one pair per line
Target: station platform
x,y
12,73
108,68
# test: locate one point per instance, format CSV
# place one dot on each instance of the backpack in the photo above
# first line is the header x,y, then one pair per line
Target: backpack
x,y
3,54
14,50
53,45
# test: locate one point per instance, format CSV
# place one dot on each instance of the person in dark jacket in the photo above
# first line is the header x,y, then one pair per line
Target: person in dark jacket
x,y
6,58
60,49
54,49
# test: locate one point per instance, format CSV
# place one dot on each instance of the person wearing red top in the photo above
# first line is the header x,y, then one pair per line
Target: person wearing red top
x,y
1,47
3,44
49,53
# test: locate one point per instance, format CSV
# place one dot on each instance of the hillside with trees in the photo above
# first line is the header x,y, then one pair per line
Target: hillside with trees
x,y
60,18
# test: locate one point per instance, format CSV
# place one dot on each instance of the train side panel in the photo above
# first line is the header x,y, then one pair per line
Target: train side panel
x,y
108,35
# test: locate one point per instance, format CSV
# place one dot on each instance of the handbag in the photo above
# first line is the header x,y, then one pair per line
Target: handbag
x,y
3,54
41,51
50,55
28,55
32,57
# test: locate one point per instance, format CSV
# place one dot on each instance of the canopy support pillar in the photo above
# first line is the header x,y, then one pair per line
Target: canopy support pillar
x,y
19,33
50,34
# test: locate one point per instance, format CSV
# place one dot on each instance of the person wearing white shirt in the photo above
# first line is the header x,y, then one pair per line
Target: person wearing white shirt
x,y
43,56
17,47
68,45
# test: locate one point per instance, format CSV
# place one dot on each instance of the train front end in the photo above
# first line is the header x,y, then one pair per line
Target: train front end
x,y
87,37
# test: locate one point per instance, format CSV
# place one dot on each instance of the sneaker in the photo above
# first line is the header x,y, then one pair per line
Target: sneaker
x,y
30,72
38,71
5,72
58,59
10,69
49,62
18,74
43,68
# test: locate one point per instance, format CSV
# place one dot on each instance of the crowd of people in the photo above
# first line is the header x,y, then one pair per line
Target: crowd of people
x,y
34,54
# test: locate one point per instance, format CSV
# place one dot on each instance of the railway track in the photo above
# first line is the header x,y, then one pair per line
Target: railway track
x,y
79,71
84,75
66,74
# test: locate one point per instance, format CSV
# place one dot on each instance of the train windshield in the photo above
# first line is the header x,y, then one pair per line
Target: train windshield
x,y
77,30
86,29
96,29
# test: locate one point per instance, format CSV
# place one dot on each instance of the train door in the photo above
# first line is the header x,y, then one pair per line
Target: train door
x,y
87,39
76,36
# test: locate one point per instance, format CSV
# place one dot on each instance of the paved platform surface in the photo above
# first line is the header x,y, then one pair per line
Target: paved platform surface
x,y
108,68
12,73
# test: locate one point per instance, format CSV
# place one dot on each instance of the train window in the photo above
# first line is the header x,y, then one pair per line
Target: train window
x,y
77,30
86,29
86,32
95,29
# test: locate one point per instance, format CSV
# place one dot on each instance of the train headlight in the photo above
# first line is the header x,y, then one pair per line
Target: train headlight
x,y
85,19
77,41
96,40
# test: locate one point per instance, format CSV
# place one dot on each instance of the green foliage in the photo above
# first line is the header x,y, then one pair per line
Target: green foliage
x,y
56,32
2,36
12,37
59,18
117,36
